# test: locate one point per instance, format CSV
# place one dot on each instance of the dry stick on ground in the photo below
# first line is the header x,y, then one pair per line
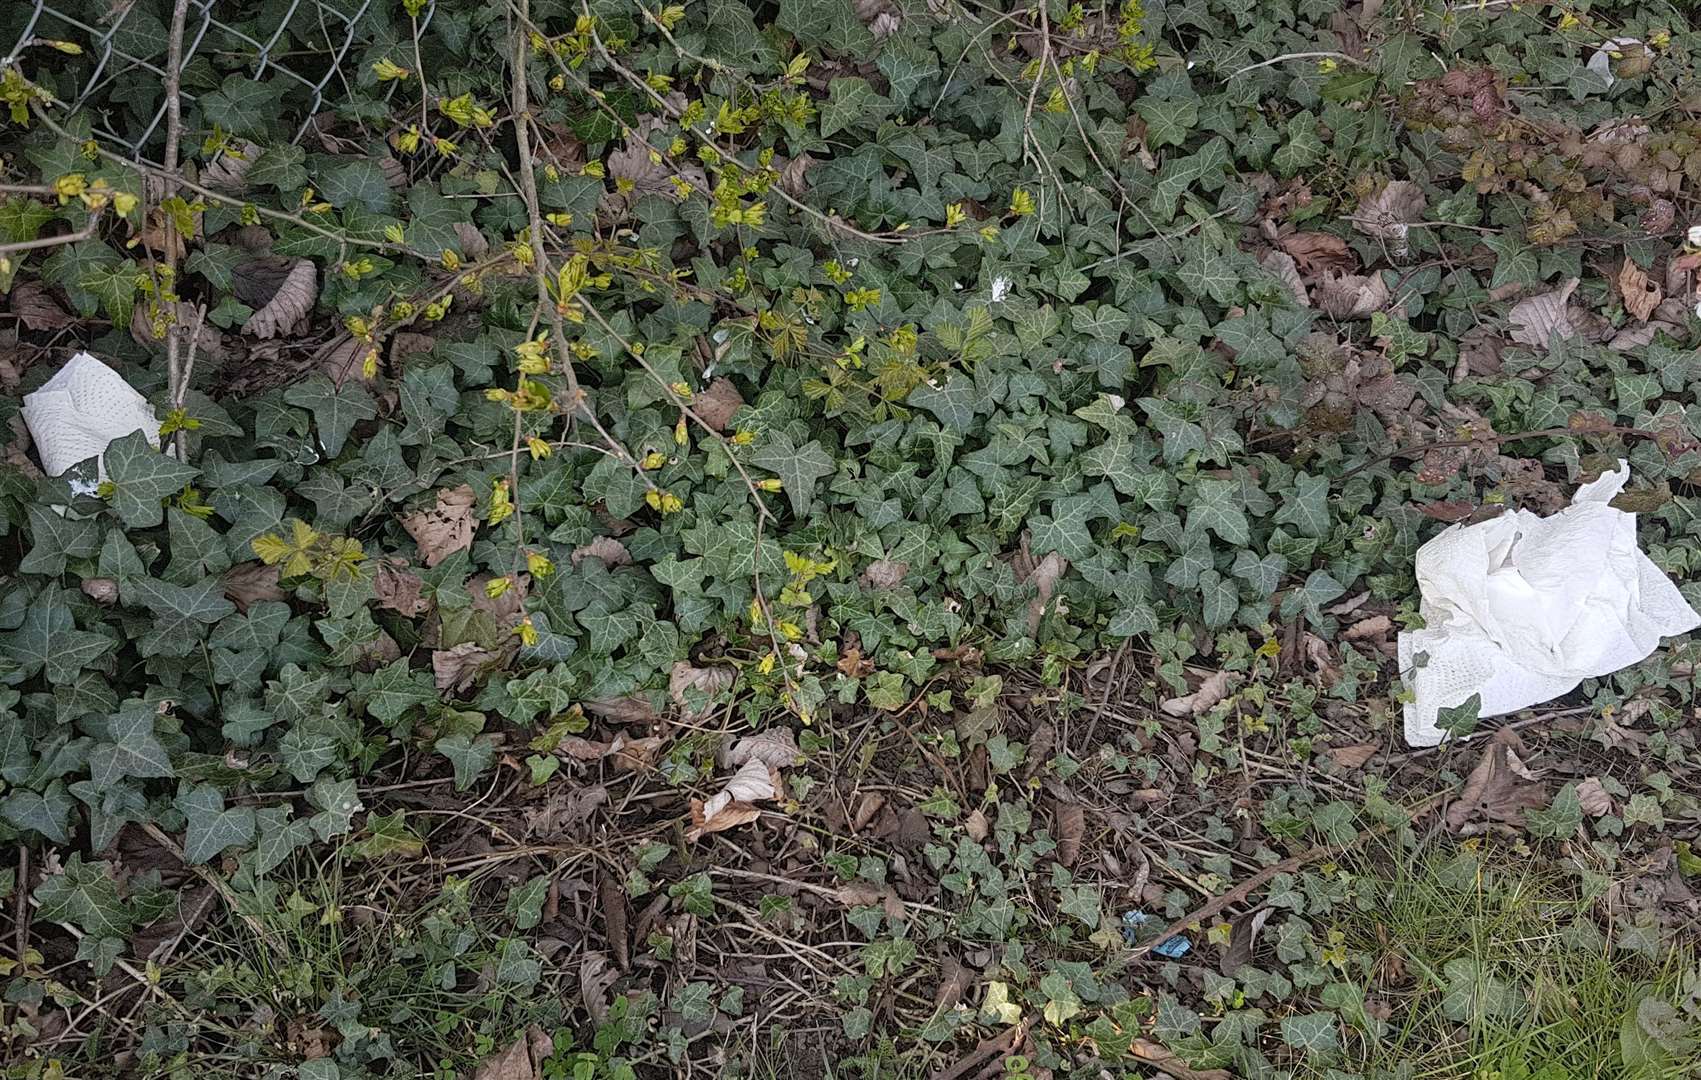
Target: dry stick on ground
x,y
22,913
175,375
1286,866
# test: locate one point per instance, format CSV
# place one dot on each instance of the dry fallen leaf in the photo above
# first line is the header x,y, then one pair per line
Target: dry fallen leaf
x,y
1641,295
246,584
102,590
37,310
445,528
229,171
459,667
717,404
1388,214
1593,797
1499,789
1210,692
689,685
775,747
1535,320
607,549
1071,830
884,574
396,588
1351,296
522,1060
1044,579
290,304
1243,937
209,344
734,805
1286,270
1315,252
1351,757
631,709
596,976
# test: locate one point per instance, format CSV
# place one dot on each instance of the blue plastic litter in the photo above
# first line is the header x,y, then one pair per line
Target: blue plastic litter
x,y
1136,928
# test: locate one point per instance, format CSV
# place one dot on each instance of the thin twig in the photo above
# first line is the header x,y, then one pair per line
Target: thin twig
x,y
219,885
176,379
84,233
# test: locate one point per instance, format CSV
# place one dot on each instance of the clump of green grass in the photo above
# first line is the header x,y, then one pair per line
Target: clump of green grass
x,y
1486,964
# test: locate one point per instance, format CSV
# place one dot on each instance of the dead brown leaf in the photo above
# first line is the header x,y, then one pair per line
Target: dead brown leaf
x,y
694,689
1071,830
102,590
1641,294
1499,789
209,343
1535,320
505,610
1351,296
246,584
775,747
1166,1062
229,171
612,899
717,404
596,977
289,304
1243,938
1593,797
1351,757
976,825
635,755
793,172
1210,692
36,309
522,1060
398,589
1388,214
1286,270
473,243
459,667
631,709
884,574
734,804
445,528
1315,252
1044,579
607,549
1376,629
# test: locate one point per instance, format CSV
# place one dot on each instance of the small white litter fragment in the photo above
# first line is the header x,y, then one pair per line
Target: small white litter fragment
x,y
1521,609
1601,62
85,406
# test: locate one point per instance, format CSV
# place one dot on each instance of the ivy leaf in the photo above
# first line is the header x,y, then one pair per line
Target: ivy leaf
x,y
798,467
133,749
335,409
1167,122
394,689
955,403
86,896
470,756
1207,272
829,23
851,101
49,639
306,753
141,476
1306,508
518,964
1216,506
337,802
57,538
1312,1032
1319,589
210,827
48,812
280,833
1515,263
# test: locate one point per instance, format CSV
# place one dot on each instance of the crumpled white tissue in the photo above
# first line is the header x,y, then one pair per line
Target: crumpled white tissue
x,y
1522,608
85,406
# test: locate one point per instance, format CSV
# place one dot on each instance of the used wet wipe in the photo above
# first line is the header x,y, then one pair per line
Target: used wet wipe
x,y
1521,609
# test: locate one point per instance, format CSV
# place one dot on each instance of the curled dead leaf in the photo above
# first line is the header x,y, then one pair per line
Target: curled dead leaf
x,y
734,804
1043,578
146,330
631,709
1593,797
398,589
101,590
36,308
229,171
1351,296
694,689
775,747
1537,319
1286,270
607,549
1352,757
522,1060
1315,252
1387,215
457,668
717,404
1641,294
246,584
1071,830
290,304
1210,692
446,527
1499,789
884,574
596,976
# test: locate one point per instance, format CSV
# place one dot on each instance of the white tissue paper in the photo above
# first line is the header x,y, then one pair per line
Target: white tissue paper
x,y
80,410
1522,608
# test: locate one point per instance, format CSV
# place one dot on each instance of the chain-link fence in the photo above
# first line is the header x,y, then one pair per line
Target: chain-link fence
x,y
298,49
